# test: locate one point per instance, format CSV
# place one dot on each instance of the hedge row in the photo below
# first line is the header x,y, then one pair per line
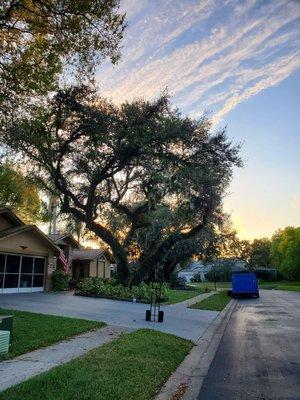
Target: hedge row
x,y
109,288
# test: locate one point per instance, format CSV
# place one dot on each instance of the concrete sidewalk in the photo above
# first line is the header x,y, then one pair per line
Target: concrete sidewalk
x,y
189,302
30,364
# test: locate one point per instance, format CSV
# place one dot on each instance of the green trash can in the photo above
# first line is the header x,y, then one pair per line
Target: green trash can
x,y
4,342
6,323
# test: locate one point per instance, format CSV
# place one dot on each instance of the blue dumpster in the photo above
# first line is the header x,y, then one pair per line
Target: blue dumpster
x,y
245,285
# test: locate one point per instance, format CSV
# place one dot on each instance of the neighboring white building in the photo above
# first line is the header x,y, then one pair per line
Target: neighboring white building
x,y
195,268
238,265
201,268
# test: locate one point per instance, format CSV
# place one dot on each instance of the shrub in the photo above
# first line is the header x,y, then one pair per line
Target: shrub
x,y
60,280
268,275
74,282
177,282
109,288
149,292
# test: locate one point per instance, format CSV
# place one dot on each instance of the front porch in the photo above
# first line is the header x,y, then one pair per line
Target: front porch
x,y
80,269
99,267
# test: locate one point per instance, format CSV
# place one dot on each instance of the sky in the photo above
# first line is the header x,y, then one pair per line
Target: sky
x,y
239,62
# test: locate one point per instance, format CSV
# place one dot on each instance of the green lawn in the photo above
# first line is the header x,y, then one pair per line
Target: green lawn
x,y
31,331
176,296
215,302
277,285
132,367
281,285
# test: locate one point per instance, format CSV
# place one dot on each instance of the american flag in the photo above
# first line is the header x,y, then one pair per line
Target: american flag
x,y
63,259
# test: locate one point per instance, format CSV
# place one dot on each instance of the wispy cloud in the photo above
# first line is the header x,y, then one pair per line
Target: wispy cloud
x,y
211,54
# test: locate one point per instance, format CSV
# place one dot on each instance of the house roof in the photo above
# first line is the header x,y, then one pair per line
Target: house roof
x,y
87,254
59,237
11,217
5,233
56,236
10,231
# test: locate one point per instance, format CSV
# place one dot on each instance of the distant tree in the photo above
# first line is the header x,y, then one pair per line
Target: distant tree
x,y
42,39
223,241
221,271
225,244
20,194
260,253
244,250
141,169
285,252
275,255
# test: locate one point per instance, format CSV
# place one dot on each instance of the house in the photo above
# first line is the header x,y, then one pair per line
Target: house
x,y
201,268
195,268
67,243
91,263
82,263
27,256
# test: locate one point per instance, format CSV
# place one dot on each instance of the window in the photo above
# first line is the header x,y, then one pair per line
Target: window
x,y
81,271
2,263
27,265
38,272
102,268
25,280
12,264
39,265
26,272
38,281
21,272
11,281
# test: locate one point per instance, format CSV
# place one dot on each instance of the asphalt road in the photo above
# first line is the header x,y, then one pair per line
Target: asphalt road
x,y
259,355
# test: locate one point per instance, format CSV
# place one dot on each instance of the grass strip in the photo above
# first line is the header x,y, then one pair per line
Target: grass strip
x,y
176,296
133,367
284,285
32,331
288,287
275,285
215,302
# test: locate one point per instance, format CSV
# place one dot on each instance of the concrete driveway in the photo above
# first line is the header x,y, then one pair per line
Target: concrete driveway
x,y
179,320
259,355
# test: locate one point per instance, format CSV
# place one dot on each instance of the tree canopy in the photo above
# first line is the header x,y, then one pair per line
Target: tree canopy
x,y
20,194
282,251
145,179
260,253
41,39
225,243
285,252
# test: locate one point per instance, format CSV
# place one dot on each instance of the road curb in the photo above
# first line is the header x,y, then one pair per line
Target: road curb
x,y
185,383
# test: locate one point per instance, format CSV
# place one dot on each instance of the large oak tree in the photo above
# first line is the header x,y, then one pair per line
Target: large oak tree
x,y
145,179
45,42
